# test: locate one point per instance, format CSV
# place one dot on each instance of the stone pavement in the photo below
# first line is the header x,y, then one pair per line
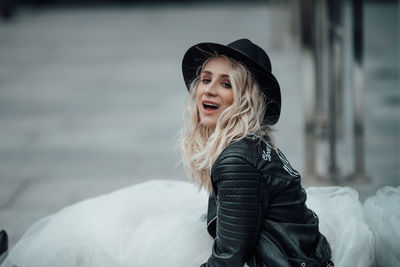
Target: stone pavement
x,y
91,98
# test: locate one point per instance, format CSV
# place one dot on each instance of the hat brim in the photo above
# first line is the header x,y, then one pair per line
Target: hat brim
x,y
197,54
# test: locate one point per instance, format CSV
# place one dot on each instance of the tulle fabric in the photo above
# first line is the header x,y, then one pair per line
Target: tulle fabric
x,y
342,222
157,223
382,213
162,223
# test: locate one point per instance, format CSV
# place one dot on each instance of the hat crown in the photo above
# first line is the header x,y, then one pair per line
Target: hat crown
x,y
252,51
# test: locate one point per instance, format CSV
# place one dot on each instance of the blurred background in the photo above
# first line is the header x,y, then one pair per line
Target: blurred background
x,y
91,93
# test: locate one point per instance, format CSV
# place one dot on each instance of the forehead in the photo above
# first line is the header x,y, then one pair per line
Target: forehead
x,y
217,66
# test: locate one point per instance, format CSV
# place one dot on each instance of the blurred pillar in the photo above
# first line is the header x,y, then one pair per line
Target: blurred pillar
x,y
322,39
322,52
309,82
358,90
335,83
322,60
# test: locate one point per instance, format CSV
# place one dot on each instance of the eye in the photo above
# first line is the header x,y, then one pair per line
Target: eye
x,y
227,85
205,80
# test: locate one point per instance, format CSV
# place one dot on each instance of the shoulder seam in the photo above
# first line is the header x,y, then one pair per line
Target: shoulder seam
x,y
239,156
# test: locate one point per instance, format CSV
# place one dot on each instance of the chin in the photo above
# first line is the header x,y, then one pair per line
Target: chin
x,y
208,124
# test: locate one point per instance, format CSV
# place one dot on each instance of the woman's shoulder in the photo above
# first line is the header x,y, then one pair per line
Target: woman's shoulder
x,y
261,155
245,148
250,148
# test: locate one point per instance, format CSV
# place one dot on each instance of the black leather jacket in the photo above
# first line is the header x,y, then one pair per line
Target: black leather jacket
x,y
258,214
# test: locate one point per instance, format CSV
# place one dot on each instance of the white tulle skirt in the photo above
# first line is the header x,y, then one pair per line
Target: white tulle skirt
x,y
162,223
382,213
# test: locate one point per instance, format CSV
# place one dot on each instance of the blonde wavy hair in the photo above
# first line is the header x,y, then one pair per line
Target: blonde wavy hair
x,y
199,145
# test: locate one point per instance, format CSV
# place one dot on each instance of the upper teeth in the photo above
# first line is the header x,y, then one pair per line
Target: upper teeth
x,y
212,105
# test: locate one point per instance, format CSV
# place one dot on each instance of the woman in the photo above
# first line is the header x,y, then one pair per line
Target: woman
x,y
257,212
256,209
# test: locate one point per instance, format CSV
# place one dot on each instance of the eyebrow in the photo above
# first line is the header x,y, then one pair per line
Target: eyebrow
x,y
210,73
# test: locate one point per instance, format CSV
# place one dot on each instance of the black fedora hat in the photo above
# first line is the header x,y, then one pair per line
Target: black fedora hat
x,y
247,53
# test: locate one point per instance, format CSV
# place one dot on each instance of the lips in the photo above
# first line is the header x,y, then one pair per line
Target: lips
x,y
209,107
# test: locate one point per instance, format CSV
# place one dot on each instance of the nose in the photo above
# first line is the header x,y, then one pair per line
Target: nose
x,y
211,88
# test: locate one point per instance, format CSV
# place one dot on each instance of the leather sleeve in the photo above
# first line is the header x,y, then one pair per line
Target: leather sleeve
x,y
240,206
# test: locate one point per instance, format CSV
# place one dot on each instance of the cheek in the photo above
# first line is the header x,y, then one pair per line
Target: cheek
x,y
198,94
229,98
198,99
199,91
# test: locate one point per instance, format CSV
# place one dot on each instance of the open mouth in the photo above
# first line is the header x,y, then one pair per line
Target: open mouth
x,y
210,106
